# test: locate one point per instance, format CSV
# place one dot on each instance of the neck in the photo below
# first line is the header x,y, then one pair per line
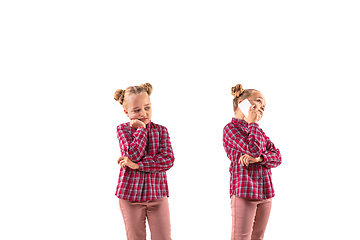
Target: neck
x,y
239,115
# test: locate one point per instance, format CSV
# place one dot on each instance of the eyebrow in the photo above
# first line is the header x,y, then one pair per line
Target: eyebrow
x,y
262,99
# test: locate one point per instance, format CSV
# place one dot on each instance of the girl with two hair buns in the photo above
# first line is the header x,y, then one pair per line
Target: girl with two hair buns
x,y
146,155
252,155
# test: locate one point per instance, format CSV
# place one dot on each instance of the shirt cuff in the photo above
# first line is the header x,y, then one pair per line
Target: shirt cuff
x,y
141,166
264,161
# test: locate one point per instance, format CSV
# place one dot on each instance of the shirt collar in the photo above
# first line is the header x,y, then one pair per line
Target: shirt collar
x,y
239,122
148,126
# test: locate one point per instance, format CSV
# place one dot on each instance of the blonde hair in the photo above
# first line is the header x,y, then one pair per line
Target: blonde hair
x,y
122,95
240,94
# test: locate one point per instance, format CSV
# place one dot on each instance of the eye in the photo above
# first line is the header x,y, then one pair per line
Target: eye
x,y
137,110
147,108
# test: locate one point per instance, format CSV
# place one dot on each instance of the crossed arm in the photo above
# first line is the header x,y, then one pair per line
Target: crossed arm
x,y
134,154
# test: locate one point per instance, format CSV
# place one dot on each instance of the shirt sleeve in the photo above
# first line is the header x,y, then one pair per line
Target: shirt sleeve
x,y
237,140
132,146
162,161
272,156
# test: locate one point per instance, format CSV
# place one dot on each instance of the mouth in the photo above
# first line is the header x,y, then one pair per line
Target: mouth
x,y
143,119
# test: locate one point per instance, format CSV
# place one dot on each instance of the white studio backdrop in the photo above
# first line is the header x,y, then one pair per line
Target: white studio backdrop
x,y
62,61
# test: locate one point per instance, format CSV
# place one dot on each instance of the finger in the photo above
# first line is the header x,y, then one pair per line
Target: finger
x,y
246,160
122,163
243,161
120,158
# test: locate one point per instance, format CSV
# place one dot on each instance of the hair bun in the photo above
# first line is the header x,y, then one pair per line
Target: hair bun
x,y
237,90
119,96
147,87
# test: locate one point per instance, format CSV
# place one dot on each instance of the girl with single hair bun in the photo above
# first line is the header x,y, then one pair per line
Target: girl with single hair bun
x,y
146,155
252,155
237,90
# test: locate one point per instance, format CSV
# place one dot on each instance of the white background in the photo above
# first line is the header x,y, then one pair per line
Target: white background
x,y
62,61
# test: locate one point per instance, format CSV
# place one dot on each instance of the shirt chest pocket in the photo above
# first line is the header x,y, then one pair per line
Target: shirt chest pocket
x,y
153,144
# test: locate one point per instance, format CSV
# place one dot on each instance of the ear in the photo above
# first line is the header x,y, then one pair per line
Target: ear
x,y
126,112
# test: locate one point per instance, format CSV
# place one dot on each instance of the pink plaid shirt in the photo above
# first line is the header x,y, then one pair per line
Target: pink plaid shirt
x,y
253,181
151,149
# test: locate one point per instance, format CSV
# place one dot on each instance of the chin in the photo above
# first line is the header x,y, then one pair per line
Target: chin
x,y
146,121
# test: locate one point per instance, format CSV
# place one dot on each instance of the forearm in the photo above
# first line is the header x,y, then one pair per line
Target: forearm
x,y
133,148
245,143
255,140
158,163
271,159
272,156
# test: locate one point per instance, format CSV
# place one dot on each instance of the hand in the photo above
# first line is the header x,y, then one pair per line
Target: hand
x,y
245,160
255,115
125,161
136,123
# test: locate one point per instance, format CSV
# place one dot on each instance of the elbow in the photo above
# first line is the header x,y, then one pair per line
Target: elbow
x,y
171,163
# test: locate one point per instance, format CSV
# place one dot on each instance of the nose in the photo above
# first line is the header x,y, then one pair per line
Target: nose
x,y
262,107
143,113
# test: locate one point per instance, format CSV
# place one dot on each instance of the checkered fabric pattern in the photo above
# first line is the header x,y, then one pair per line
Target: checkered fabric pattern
x,y
151,149
253,181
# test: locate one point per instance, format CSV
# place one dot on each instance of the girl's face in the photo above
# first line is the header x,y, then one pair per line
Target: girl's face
x,y
139,107
258,100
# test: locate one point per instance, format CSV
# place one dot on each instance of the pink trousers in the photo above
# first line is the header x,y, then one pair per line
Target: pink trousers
x,y
249,218
157,213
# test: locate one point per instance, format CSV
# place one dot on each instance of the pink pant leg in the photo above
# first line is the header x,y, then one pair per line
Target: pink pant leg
x,y
243,213
261,219
249,218
159,219
134,215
